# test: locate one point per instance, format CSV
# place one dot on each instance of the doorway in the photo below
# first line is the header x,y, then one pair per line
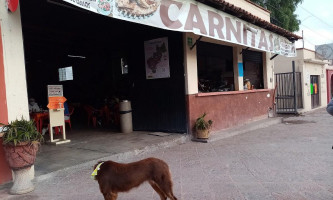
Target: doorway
x,y
314,86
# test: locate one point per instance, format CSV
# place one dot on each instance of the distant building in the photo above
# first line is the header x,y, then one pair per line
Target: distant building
x,y
316,78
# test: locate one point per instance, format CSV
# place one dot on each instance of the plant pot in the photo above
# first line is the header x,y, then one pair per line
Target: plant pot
x,y
22,155
202,134
20,159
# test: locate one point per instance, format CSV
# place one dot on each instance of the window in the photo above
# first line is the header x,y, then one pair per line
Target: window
x,y
65,74
215,67
253,69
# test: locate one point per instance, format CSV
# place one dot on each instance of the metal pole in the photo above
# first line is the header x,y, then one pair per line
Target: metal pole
x,y
294,86
303,39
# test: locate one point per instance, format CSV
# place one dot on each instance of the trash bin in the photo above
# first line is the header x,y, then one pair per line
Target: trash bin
x,y
125,112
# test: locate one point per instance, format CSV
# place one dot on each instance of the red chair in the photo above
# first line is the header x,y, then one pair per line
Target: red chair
x,y
92,114
68,120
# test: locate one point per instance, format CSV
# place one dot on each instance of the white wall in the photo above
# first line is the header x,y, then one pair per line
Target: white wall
x,y
14,66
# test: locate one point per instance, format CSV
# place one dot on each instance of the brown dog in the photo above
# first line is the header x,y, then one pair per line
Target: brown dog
x,y
115,177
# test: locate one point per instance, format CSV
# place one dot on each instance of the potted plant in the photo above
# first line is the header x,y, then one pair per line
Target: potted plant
x,y
21,141
202,127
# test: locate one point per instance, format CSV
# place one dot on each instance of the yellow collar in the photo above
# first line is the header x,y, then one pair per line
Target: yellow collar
x,y
96,170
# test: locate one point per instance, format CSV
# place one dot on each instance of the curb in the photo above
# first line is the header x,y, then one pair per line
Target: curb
x,y
244,128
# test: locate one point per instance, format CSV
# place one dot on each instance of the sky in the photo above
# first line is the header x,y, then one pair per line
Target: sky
x,y
317,23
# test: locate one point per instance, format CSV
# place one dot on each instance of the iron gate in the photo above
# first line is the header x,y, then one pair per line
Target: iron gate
x,y
288,92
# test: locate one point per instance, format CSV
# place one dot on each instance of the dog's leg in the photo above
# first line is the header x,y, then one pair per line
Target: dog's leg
x,y
110,196
165,185
114,195
158,190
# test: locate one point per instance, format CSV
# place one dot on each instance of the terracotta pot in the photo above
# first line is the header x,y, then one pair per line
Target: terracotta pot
x,y
22,155
202,134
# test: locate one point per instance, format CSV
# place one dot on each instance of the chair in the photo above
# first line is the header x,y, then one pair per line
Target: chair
x,y
92,114
68,116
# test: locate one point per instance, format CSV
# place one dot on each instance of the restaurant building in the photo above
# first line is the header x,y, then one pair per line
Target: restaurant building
x,y
174,60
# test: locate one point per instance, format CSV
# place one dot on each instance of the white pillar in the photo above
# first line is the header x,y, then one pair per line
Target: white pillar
x,y
14,66
190,62
238,68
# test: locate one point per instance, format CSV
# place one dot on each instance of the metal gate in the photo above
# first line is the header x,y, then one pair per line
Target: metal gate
x,y
314,91
288,92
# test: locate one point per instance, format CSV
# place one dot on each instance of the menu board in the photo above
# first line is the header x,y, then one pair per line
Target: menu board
x,y
54,90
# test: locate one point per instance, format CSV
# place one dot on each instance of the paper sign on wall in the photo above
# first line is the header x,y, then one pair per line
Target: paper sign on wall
x,y
157,58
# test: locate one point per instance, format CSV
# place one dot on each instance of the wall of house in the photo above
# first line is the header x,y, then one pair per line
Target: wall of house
x,y
231,108
226,109
283,64
329,79
13,100
311,68
5,173
252,8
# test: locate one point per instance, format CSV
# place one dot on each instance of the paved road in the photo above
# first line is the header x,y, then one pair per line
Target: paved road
x,y
292,160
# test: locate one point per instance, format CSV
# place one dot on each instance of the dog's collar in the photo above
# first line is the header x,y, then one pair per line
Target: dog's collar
x,y
96,170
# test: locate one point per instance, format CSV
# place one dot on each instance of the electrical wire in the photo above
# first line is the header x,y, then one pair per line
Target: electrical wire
x,y
317,17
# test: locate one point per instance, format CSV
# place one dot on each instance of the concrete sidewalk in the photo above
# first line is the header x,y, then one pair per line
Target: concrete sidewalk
x,y
289,160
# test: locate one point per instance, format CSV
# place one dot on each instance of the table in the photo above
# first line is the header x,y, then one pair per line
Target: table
x,y
39,118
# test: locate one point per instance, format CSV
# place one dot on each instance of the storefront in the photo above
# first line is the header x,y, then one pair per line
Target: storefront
x,y
173,59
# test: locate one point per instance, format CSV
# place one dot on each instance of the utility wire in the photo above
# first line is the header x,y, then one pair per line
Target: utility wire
x,y
276,9
316,17
322,36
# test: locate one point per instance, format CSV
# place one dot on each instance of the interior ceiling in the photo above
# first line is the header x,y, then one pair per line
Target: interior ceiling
x,y
50,26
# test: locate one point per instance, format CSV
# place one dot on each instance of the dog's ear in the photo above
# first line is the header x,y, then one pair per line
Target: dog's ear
x,y
97,164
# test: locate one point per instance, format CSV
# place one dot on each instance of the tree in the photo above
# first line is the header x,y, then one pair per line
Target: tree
x,y
282,12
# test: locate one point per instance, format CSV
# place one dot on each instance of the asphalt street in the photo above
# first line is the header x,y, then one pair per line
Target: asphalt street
x,y
290,160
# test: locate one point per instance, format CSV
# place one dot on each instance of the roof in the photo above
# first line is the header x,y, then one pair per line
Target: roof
x,y
247,16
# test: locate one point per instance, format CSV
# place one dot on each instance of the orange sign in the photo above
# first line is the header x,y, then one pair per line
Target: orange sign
x,y
56,102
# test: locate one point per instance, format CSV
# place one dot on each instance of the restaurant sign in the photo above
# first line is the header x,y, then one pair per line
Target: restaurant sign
x,y
191,16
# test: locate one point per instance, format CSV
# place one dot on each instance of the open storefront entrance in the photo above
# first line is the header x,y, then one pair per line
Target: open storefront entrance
x,y
98,49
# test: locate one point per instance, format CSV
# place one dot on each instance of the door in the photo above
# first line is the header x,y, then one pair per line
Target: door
x,y
159,104
314,88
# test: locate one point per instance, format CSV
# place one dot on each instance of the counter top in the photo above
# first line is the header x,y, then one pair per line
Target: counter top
x,y
232,92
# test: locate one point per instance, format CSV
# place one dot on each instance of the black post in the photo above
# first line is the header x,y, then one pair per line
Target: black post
x,y
294,86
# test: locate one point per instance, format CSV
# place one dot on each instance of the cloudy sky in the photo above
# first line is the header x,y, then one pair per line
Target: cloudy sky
x,y
317,23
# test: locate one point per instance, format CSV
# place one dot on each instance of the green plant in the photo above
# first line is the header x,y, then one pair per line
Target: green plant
x,y
202,124
20,131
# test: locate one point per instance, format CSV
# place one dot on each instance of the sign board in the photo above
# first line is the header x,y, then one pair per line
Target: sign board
x,y
324,52
54,90
157,58
191,16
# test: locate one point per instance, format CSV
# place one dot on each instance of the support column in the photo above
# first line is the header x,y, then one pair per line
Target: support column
x,y
268,70
5,172
13,87
238,68
190,63
14,66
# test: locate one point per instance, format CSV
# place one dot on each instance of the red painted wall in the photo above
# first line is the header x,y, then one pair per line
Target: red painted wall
x,y
231,108
329,76
5,172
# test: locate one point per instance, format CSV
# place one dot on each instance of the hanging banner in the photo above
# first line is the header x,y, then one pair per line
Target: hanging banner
x,y
191,16
157,58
